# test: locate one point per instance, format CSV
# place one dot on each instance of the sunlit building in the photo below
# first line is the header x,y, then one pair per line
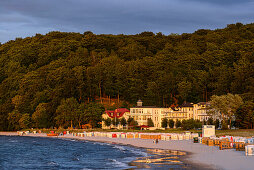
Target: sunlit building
x,y
141,113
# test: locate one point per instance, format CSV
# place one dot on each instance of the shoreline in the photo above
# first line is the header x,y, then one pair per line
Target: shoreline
x,y
199,155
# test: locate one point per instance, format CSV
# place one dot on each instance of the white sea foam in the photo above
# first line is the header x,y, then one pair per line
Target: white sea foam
x,y
121,148
118,163
102,144
52,163
13,141
129,159
138,152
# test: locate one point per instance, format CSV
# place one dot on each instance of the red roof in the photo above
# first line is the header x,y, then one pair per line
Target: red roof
x,y
117,113
144,126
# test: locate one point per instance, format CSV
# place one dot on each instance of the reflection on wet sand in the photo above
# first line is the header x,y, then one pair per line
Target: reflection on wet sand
x,y
159,158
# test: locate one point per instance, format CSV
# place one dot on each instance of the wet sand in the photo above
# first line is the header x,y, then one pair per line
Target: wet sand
x,y
202,156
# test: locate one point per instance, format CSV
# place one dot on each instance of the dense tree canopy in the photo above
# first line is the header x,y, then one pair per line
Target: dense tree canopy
x,y
159,69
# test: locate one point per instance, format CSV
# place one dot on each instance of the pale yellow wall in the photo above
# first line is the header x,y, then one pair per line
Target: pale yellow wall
x,y
157,114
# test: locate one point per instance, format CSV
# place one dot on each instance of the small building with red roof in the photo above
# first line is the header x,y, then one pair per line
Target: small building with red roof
x,y
113,115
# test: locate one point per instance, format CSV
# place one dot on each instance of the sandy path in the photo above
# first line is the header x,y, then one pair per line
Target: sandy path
x,y
201,154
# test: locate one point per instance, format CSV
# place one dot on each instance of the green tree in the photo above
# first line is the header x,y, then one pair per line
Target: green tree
x,y
184,89
171,123
198,124
226,105
13,119
188,124
204,122
210,121
150,122
217,123
40,116
107,122
130,119
164,123
133,123
93,113
25,121
178,123
67,112
123,122
115,121
245,115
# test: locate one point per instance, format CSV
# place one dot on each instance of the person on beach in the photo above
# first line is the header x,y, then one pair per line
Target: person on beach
x,y
156,141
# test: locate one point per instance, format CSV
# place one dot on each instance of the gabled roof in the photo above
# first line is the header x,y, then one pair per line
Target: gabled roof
x,y
187,104
121,112
146,107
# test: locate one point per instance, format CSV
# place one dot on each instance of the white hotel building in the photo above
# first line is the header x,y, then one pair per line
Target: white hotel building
x,y
186,111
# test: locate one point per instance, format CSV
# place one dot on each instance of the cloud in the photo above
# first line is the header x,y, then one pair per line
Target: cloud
x,y
27,17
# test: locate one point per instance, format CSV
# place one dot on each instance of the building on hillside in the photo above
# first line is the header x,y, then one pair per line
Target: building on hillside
x,y
113,115
184,112
201,112
141,114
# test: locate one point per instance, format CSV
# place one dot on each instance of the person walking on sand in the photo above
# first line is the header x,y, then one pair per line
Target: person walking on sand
x,y
156,141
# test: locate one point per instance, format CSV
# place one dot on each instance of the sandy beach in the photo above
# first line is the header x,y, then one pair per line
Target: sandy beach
x,y
206,156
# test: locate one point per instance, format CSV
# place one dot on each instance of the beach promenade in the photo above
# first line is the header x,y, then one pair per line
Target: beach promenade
x,y
206,156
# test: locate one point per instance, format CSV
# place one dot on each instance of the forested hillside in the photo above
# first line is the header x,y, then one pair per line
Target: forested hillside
x,y
161,70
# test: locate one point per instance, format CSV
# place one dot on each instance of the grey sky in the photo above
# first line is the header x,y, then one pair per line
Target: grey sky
x,y
22,18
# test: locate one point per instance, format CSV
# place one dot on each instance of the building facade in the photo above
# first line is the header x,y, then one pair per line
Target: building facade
x,y
114,114
186,111
141,113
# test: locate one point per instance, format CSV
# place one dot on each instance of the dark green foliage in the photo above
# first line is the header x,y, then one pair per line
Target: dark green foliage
x,y
150,122
67,112
123,122
204,122
155,67
224,125
245,116
178,123
210,121
191,124
171,123
25,121
198,124
115,122
93,114
13,120
164,123
217,123
40,117
107,122
134,123
130,119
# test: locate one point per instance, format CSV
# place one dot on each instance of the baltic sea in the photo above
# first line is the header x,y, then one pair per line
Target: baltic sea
x,y
17,152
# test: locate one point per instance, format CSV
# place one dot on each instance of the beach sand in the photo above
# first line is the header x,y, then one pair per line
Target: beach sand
x,y
209,157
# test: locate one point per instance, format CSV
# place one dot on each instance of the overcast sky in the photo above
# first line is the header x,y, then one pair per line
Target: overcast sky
x,y
22,18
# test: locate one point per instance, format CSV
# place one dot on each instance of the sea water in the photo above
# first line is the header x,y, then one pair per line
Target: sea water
x,y
17,152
